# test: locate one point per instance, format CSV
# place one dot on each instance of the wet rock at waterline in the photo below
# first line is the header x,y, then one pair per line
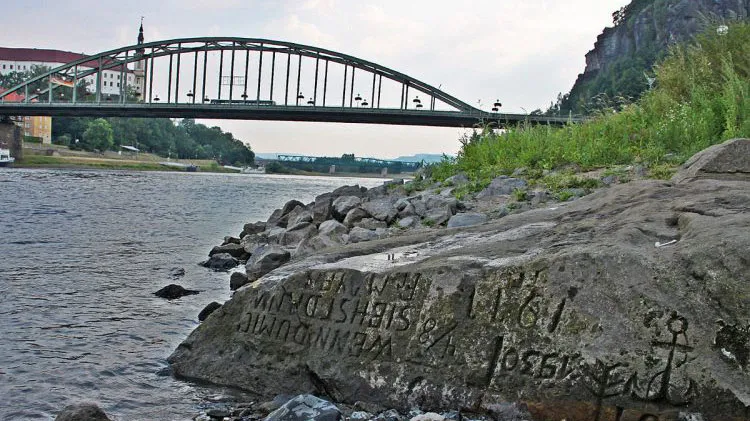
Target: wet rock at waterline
x,y
82,412
207,310
306,408
621,302
174,291
221,262
238,280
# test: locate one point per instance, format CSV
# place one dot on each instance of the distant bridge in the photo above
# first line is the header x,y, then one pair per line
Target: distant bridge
x,y
245,79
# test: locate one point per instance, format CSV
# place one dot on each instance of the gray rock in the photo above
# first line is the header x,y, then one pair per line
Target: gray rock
x,y
251,242
371,224
502,185
234,250
429,416
401,204
377,192
253,228
520,171
230,240
237,280
355,190
466,220
439,216
207,310
322,208
177,272
408,222
420,207
608,180
296,234
332,229
540,196
221,262
280,217
389,415
354,217
344,204
174,291
457,180
82,412
381,209
302,217
265,260
274,219
433,202
306,408
724,161
296,213
358,235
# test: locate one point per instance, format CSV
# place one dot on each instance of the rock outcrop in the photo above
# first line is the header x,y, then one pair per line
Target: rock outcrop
x,y
82,412
631,303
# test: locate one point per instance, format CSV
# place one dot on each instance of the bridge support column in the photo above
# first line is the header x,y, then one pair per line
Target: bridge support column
x,y
11,138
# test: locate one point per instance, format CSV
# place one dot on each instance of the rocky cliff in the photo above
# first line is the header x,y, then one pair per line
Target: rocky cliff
x,y
629,304
622,53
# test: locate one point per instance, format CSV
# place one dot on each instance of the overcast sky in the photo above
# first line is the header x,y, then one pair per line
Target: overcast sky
x,y
523,52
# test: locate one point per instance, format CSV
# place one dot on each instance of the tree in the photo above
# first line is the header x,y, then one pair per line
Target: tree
x,y
98,136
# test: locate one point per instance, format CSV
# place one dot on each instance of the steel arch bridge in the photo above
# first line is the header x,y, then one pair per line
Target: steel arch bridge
x,y
245,79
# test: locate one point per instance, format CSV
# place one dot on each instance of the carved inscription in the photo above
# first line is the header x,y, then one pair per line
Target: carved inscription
x,y
341,312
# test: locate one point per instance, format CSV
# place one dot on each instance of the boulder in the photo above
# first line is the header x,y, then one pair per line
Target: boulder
x,y
408,222
457,180
174,291
633,300
355,216
251,242
207,310
230,240
322,208
306,408
358,235
342,206
264,260
355,190
221,262
332,229
280,217
297,233
234,250
371,224
377,192
728,160
439,202
295,213
502,185
381,209
82,412
253,228
466,219
304,216
237,280
437,216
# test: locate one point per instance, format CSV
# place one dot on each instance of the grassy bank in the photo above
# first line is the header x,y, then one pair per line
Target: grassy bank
x,y
701,97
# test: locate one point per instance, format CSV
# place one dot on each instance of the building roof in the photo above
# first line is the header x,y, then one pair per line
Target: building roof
x,y
11,97
45,56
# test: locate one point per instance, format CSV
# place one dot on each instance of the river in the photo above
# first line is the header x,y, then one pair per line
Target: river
x,y
81,253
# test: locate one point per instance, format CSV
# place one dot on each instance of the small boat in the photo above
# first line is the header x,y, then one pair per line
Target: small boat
x,y
192,168
5,159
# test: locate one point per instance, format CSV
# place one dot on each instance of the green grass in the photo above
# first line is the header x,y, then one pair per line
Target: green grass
x,y
702,98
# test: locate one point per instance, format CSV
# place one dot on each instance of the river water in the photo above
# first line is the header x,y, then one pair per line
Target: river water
x,y
81,253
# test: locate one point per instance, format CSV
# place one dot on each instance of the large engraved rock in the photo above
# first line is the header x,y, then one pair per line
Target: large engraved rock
x,y
632,303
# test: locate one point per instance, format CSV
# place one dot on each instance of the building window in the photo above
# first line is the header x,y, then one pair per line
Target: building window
x,y
11,67
118,84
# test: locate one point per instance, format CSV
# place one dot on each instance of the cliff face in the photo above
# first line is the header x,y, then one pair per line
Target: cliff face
x,y
645,33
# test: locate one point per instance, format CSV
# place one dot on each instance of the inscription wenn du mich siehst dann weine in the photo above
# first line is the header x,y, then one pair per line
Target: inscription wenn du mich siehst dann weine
x,y
345,312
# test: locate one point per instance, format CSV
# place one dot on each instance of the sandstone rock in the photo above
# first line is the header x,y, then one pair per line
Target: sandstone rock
x,y
82,412
265,260
502,185
358,235
343,204
466,220
728,160
371,224
571,309
221,262
322,208
306,408
234,250
354,217
237,280
438,216
174,291
253,228
381,209
297,234
207,310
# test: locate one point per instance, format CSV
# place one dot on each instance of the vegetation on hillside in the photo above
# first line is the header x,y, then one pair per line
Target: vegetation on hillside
x,y
701,97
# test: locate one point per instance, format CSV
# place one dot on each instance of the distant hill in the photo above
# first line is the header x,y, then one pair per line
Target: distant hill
x,y
426,157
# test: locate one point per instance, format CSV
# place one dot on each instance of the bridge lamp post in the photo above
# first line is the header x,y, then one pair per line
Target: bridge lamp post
x,y
365,103
300,97
156,98
358,98
417,102
206,99
244,96
310,101
190,94
496,106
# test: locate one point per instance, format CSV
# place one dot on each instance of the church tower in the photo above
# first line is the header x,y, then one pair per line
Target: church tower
x,y
140,66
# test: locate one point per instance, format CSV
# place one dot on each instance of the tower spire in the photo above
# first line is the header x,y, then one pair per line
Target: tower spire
x,y
140,33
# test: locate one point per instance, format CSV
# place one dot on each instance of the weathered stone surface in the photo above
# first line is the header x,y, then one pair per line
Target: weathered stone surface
x,y
296,213
221,262
342,206
207,310
354,190
253,228
303,216
82,412
332,229
408,222
457,180
371,224
502,185
251,242
174,291
322,208
297,233
727,160
230,240
579,311
358,235
466,219
381,209
234,250
439,202
306,408
354,217
238,280
439,216
264,260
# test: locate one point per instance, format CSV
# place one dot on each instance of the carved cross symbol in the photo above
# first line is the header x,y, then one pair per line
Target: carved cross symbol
x,y
678,327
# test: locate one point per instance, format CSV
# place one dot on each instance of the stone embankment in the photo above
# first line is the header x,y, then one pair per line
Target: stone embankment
x,y
630,303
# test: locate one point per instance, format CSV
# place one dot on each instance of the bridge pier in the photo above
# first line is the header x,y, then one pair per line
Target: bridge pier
x,y
11,138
